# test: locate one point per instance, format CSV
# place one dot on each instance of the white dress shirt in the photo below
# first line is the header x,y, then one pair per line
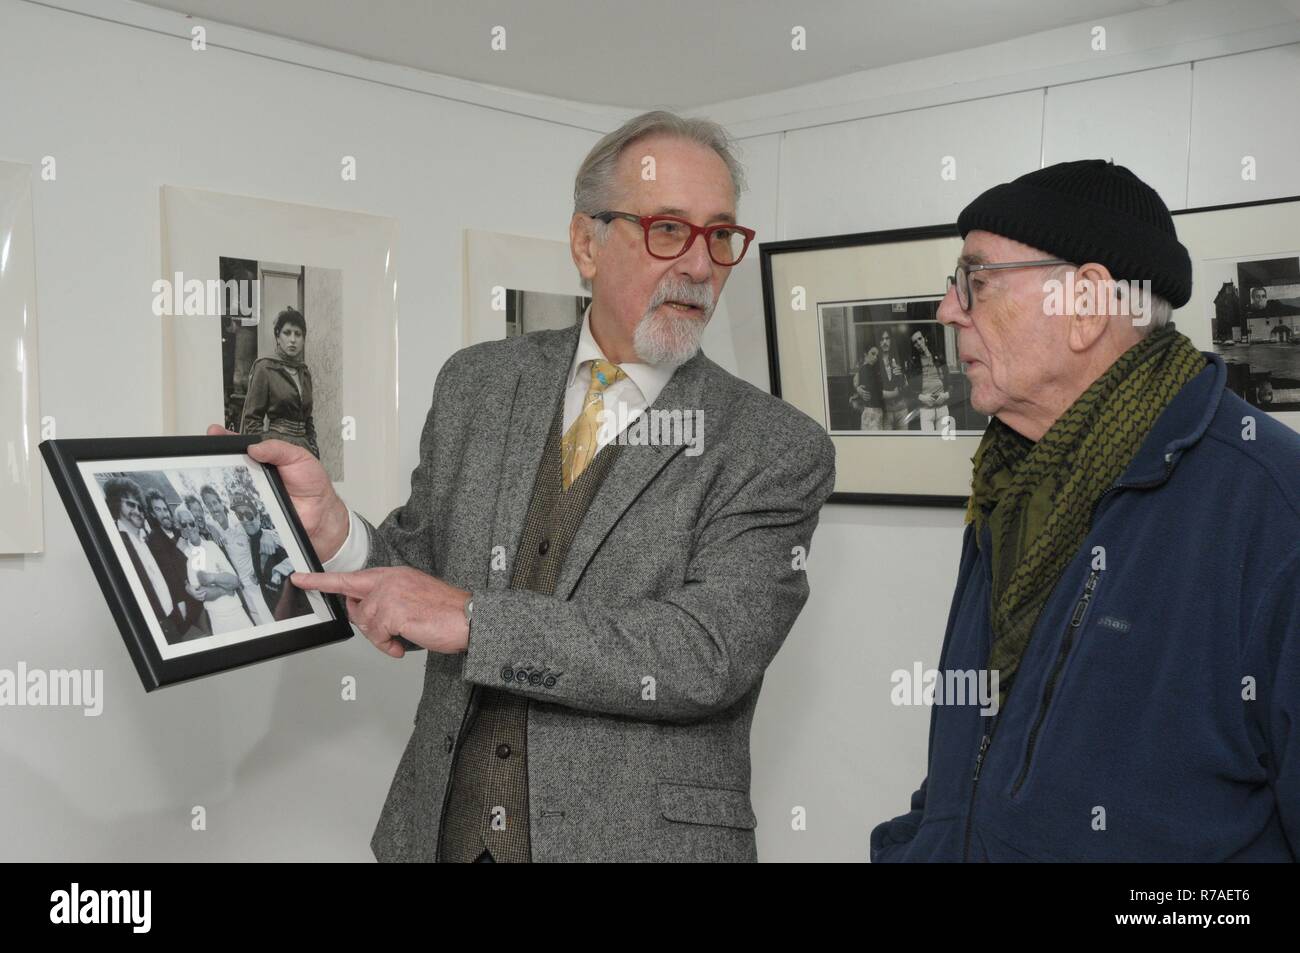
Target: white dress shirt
x,y
627,398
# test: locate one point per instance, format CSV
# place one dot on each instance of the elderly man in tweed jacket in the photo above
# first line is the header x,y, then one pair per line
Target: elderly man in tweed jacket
x,y
600,598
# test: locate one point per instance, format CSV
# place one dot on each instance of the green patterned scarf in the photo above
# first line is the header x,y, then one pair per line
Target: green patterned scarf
x,y
1037,498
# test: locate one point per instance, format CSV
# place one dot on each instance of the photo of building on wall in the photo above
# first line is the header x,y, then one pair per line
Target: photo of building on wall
x,y
1256,327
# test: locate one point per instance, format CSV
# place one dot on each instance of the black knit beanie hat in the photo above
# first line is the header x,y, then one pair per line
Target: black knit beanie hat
x,y
1090,210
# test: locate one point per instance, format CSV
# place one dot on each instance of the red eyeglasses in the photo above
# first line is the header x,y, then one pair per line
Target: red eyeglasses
x,y
668,237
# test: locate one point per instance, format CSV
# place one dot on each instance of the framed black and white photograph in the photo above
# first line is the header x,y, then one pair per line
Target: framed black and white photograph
x,y
1245,303
854,342
193,542
850,319
281,319
515,284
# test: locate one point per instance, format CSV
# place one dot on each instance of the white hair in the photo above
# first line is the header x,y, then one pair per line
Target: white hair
x,y
1153,314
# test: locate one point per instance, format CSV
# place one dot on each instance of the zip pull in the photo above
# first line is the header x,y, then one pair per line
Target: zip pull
x,y
1081,606
979,758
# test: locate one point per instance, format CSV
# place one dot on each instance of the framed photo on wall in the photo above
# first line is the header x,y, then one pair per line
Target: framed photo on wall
x,y
281,319
193,542
855,343
1245,303
515,285
853,340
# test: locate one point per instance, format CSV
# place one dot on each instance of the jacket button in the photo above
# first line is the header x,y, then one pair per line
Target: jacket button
x,y
543,547
503,751
507,674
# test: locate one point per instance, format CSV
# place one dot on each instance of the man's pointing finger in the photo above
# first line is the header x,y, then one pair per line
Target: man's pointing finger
x,y
355,585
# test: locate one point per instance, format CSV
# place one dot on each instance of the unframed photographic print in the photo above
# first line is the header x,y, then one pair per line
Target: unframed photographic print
x,y
281,354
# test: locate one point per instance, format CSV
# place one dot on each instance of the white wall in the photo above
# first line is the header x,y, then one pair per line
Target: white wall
x,y
284,768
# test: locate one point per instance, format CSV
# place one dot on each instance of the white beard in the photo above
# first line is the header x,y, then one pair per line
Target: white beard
x,y
667,339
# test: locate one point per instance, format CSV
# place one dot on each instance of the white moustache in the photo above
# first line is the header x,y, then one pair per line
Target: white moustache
x,y
700,296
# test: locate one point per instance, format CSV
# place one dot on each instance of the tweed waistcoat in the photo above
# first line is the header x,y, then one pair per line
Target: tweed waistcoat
x,y
487,799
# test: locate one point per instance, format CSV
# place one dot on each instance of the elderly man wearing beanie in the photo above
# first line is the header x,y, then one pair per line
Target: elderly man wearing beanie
x,y
1131,564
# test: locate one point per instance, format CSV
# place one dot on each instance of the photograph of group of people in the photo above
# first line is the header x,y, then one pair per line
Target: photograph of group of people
x,y
204,549
891,367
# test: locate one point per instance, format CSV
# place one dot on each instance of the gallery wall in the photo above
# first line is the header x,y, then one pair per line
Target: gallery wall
x,y
283,766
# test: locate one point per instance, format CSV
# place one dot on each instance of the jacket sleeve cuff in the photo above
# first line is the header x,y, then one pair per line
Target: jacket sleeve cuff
x,y
497,647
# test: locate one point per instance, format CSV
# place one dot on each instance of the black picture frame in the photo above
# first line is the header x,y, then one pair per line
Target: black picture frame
x,y
770,250
1264,232
63,459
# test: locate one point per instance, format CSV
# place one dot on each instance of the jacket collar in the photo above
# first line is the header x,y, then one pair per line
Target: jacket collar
x,y
525,419
1180,426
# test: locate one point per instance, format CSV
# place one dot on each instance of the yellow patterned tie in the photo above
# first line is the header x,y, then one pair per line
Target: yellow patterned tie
x,y
579,443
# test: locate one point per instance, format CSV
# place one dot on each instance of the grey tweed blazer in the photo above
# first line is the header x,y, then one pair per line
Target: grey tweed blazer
x,y
679,588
